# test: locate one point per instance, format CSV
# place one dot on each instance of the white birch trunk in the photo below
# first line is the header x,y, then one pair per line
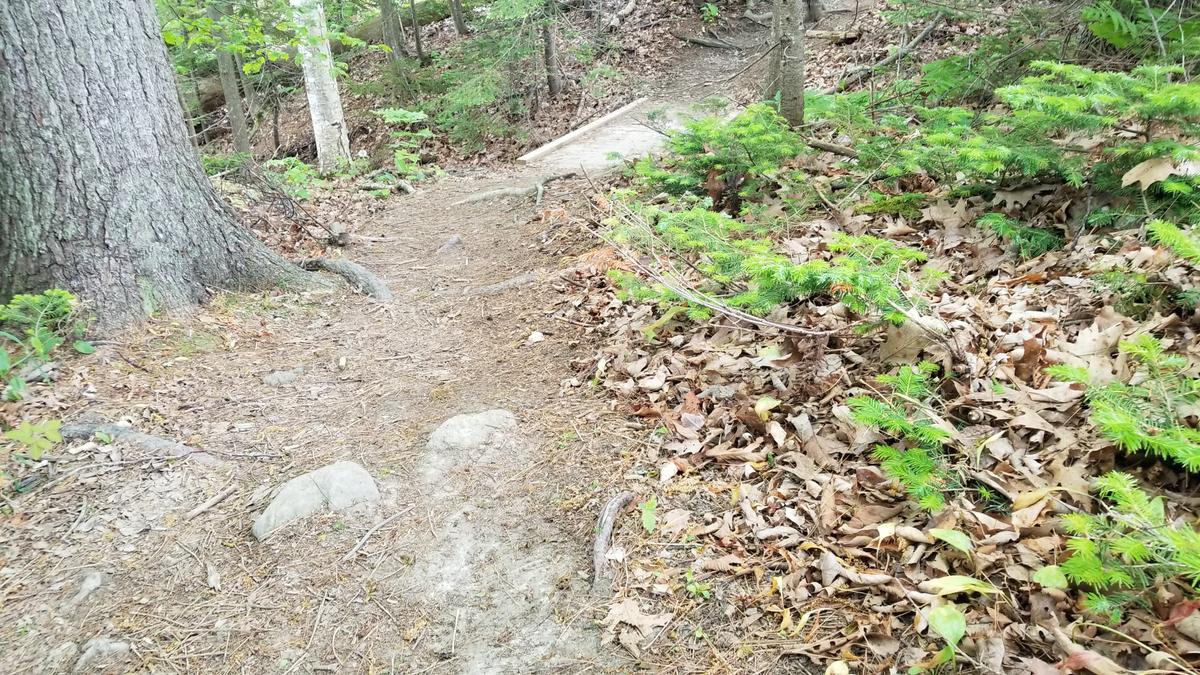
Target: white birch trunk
x,y
324,102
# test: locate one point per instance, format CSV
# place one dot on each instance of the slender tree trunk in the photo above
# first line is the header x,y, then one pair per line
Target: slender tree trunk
x,y
229,87
393,30
253,100
324,102
786,71
554,80
459,16
100,192
416,29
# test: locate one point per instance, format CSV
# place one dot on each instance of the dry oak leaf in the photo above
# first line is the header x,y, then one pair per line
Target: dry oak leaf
x,y
1149,172
628,612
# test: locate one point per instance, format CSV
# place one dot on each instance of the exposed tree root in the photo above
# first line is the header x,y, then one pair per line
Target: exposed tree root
x,y
615,19
507,284
713,42
356,275
604,530
536,190
157,445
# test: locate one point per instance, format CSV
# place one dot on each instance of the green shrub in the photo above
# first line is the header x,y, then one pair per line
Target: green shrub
x,y
748,150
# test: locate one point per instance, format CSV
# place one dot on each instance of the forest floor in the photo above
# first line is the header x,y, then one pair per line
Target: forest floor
x,y
481,560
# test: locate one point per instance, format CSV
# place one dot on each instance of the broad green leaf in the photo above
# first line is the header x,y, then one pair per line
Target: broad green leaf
x,y
649,510
958,540
948,622
5,362
84,347
956,583
1051,576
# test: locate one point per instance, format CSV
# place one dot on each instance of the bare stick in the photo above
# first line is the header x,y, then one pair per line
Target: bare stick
x,y
210,502
604,529
354,551
864,73
831,147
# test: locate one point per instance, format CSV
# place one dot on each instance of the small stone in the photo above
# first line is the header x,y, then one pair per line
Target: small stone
x,y
468,432
535,337
282,377
452,245
331,488
89,584
101,649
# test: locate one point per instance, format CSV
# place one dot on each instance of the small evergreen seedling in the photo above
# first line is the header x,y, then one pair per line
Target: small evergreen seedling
x,y
1125,552
917,463
1027,242
1144,414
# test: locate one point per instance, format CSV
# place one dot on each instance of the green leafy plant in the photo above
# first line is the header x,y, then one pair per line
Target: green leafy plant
x,y
1128,550
1144,415
36,438
1186,245
1027,242
293,176
33,326
1143,28
950,623
696,589
409,132
916,460
709,13
649,511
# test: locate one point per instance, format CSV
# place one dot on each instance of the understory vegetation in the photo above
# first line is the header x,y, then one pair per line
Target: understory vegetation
x,y
1057,171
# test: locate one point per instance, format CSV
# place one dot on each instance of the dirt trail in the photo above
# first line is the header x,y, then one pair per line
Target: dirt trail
x,y
486,570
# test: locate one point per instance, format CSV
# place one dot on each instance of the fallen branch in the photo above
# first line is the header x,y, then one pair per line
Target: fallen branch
x,y
211,502
604,530
354,551
835,36
402,185
831,147
705,42
864,73
356,275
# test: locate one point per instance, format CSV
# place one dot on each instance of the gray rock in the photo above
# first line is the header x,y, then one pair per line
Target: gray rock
x,y
282,377
452,245
463,433
331,488
89,584
101,651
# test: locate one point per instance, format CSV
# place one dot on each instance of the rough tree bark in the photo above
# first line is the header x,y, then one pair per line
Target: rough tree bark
x,y
393,30
324,102
554,79
460,21
785,73
228,74
100,192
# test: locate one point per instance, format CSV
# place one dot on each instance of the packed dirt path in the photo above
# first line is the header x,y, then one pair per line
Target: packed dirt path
x,y
475,557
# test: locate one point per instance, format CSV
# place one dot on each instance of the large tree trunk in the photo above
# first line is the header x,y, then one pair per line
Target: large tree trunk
x,y
393,30
324,102
100,192
460,21
228,75
785,73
